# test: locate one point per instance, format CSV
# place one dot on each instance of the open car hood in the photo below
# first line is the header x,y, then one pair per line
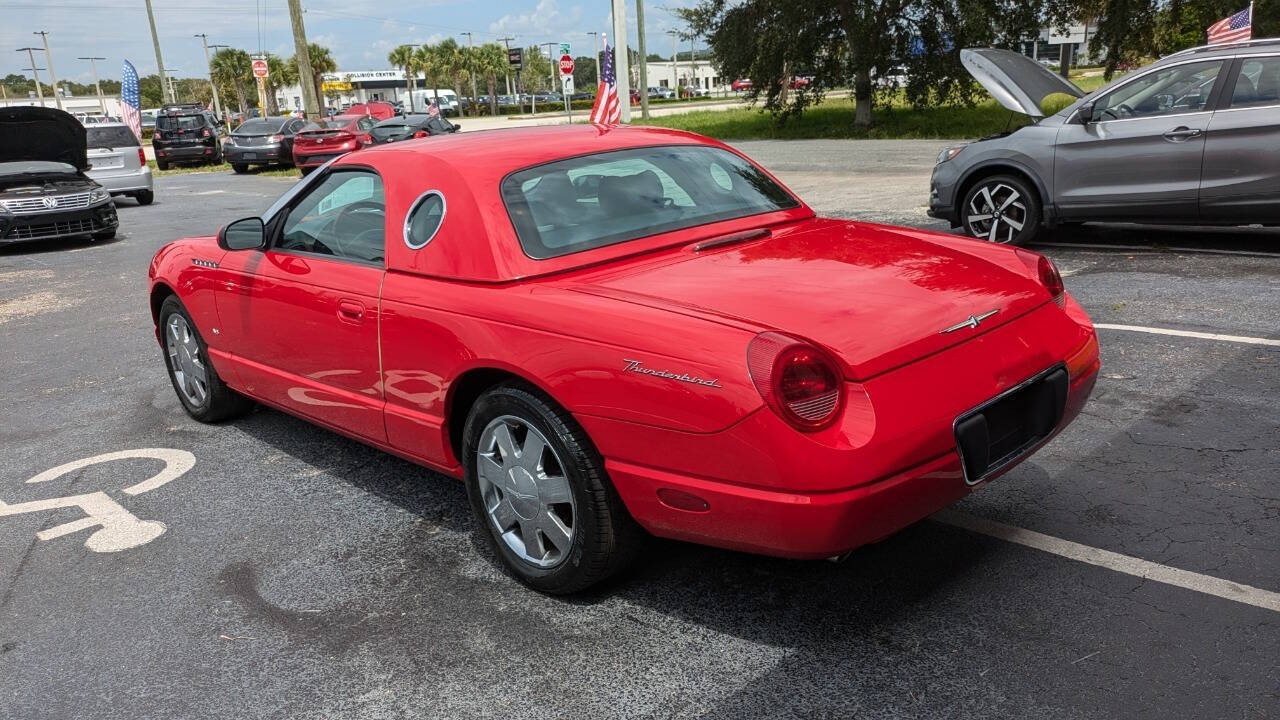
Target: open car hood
x,y
36,133
1015,80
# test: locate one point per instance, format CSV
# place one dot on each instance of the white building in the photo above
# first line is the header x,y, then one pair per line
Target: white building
x,y
76,105
700,73
347,87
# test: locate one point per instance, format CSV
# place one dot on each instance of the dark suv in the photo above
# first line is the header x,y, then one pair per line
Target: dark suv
x,y
186,133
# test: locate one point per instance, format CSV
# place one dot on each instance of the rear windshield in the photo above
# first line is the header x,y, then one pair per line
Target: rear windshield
x,y
337,123
260,127
179,122
588,202
111,136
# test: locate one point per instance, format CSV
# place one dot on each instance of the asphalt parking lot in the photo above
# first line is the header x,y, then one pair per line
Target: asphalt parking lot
x,y
303,575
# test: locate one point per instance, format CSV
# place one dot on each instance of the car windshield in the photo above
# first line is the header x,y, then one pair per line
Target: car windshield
x,y
588,202
179,122
111,136
260,127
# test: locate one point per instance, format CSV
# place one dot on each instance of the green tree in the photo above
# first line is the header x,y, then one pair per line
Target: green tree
x,y
428,61
321,62
537,70
1132,31
491,63
584,74
233,70
452,61
404,58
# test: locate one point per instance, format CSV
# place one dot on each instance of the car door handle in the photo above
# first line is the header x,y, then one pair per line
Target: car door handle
x,y
1181,133
350,310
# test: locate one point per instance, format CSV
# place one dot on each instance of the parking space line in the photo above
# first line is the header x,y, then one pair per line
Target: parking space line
x,y
1190,334
1126,564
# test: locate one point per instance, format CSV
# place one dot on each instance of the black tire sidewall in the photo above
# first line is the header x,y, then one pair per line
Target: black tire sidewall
x,y
170,307
1029,229
581,465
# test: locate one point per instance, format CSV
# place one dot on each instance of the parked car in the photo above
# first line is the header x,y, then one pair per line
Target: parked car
x,y
44,192
377,110
446,100
186,133
409,127
319,142
1191,139
262,141
639,329
117,162
148,119
740,85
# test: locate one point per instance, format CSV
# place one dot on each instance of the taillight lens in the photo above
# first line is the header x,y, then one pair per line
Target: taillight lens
x,y
142,157
1046,272
366,138
420,134
799,381
277,138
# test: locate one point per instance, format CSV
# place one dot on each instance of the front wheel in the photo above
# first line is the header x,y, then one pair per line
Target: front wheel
x,y
539,491
202,393
1001,209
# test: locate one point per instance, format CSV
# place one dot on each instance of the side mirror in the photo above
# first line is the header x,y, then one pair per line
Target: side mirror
x,y
246,234
1084,113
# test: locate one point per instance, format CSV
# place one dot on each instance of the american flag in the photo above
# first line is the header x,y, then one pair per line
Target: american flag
x,y
130,100
1232,29
607,110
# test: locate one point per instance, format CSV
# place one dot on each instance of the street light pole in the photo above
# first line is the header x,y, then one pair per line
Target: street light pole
x,y
596,36
471,70
693,64
35,73
155,40
208,64
675,67
48,60
306,78
93,61
506,42
644,63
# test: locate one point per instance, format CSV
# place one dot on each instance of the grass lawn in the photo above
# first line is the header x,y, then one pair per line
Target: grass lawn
x,y
272,171
894,120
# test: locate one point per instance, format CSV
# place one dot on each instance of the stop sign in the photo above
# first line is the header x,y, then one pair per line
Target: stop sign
x,y
259,68
566,65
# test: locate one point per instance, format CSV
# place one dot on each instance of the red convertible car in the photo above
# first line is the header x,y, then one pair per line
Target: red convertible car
x,y
608,331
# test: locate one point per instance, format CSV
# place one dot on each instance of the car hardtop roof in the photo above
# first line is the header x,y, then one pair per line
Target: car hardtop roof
x,y
502,151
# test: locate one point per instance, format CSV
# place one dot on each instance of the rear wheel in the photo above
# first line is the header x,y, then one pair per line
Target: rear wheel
x,y
540,494
306,170
162,164
240,168
1001,209
202,393
144,197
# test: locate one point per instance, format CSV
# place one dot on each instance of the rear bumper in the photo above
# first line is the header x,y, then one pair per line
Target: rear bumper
x,y
125,182
183,153
312,160
264,154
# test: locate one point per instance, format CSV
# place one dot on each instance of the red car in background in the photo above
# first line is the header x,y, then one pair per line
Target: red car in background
x,y
376,110
320,142
604,330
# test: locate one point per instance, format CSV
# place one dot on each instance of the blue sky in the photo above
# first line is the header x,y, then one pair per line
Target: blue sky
x,y
359,32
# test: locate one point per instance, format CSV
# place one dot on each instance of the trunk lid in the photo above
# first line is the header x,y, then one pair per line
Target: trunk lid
x,y
42,134
875,296
1015,80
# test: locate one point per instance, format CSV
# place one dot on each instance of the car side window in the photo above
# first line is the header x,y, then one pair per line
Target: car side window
x,y
366,123
344,216
1168,91
1258,84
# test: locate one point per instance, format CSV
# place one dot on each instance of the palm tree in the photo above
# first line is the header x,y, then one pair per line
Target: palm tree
x,y
405,58
428,61
231,68
321,62
452,62
491,61
279,74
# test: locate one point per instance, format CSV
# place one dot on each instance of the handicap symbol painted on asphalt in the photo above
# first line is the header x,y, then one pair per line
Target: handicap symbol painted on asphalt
x,y
117,528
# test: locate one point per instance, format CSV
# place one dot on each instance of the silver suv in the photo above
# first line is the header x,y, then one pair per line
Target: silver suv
x,y
117,161
1191,139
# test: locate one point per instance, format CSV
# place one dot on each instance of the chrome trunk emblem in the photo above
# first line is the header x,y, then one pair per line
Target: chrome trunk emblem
x,y
637,366
973,321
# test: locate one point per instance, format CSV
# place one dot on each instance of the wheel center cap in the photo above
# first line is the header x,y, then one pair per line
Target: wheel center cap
x,y
524,493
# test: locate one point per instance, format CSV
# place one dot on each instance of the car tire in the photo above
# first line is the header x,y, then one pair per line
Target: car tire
x,y
590,536
184,353
240,168
996,206
306,170
104,235
144,197
162,164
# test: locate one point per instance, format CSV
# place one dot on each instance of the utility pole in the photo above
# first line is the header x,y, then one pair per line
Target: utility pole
x,y
208,64
306,78
97,85
49,62
155,40
644,62
675,67
555,61
471,70
596,54
35,72
693,64
621,61
506,42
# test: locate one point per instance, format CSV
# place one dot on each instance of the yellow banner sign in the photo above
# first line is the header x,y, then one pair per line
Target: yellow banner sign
x,y
335,86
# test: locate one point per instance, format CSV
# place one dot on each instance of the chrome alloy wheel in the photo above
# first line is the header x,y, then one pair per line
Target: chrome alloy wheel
x,y
997,212
189,373
525,491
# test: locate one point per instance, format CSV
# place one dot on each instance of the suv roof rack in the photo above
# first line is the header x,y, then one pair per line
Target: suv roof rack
x,y
1227,46
172,107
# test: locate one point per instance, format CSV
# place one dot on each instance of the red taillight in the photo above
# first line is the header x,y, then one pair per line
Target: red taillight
x,y
1045,271
142,157
800,382
366,139
420,134
277,138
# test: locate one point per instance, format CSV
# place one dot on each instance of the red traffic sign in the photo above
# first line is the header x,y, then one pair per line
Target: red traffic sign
x,y
259,68
566,65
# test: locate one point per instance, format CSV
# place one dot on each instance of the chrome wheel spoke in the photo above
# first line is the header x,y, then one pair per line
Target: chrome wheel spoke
x,y
980,217
532,540
490,470
554,489
556,532
1013,197
506,445
531,453
995,225
1015,224
504,515
986,195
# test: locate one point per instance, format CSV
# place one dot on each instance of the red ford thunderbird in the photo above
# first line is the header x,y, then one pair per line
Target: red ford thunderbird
x,y
614,332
